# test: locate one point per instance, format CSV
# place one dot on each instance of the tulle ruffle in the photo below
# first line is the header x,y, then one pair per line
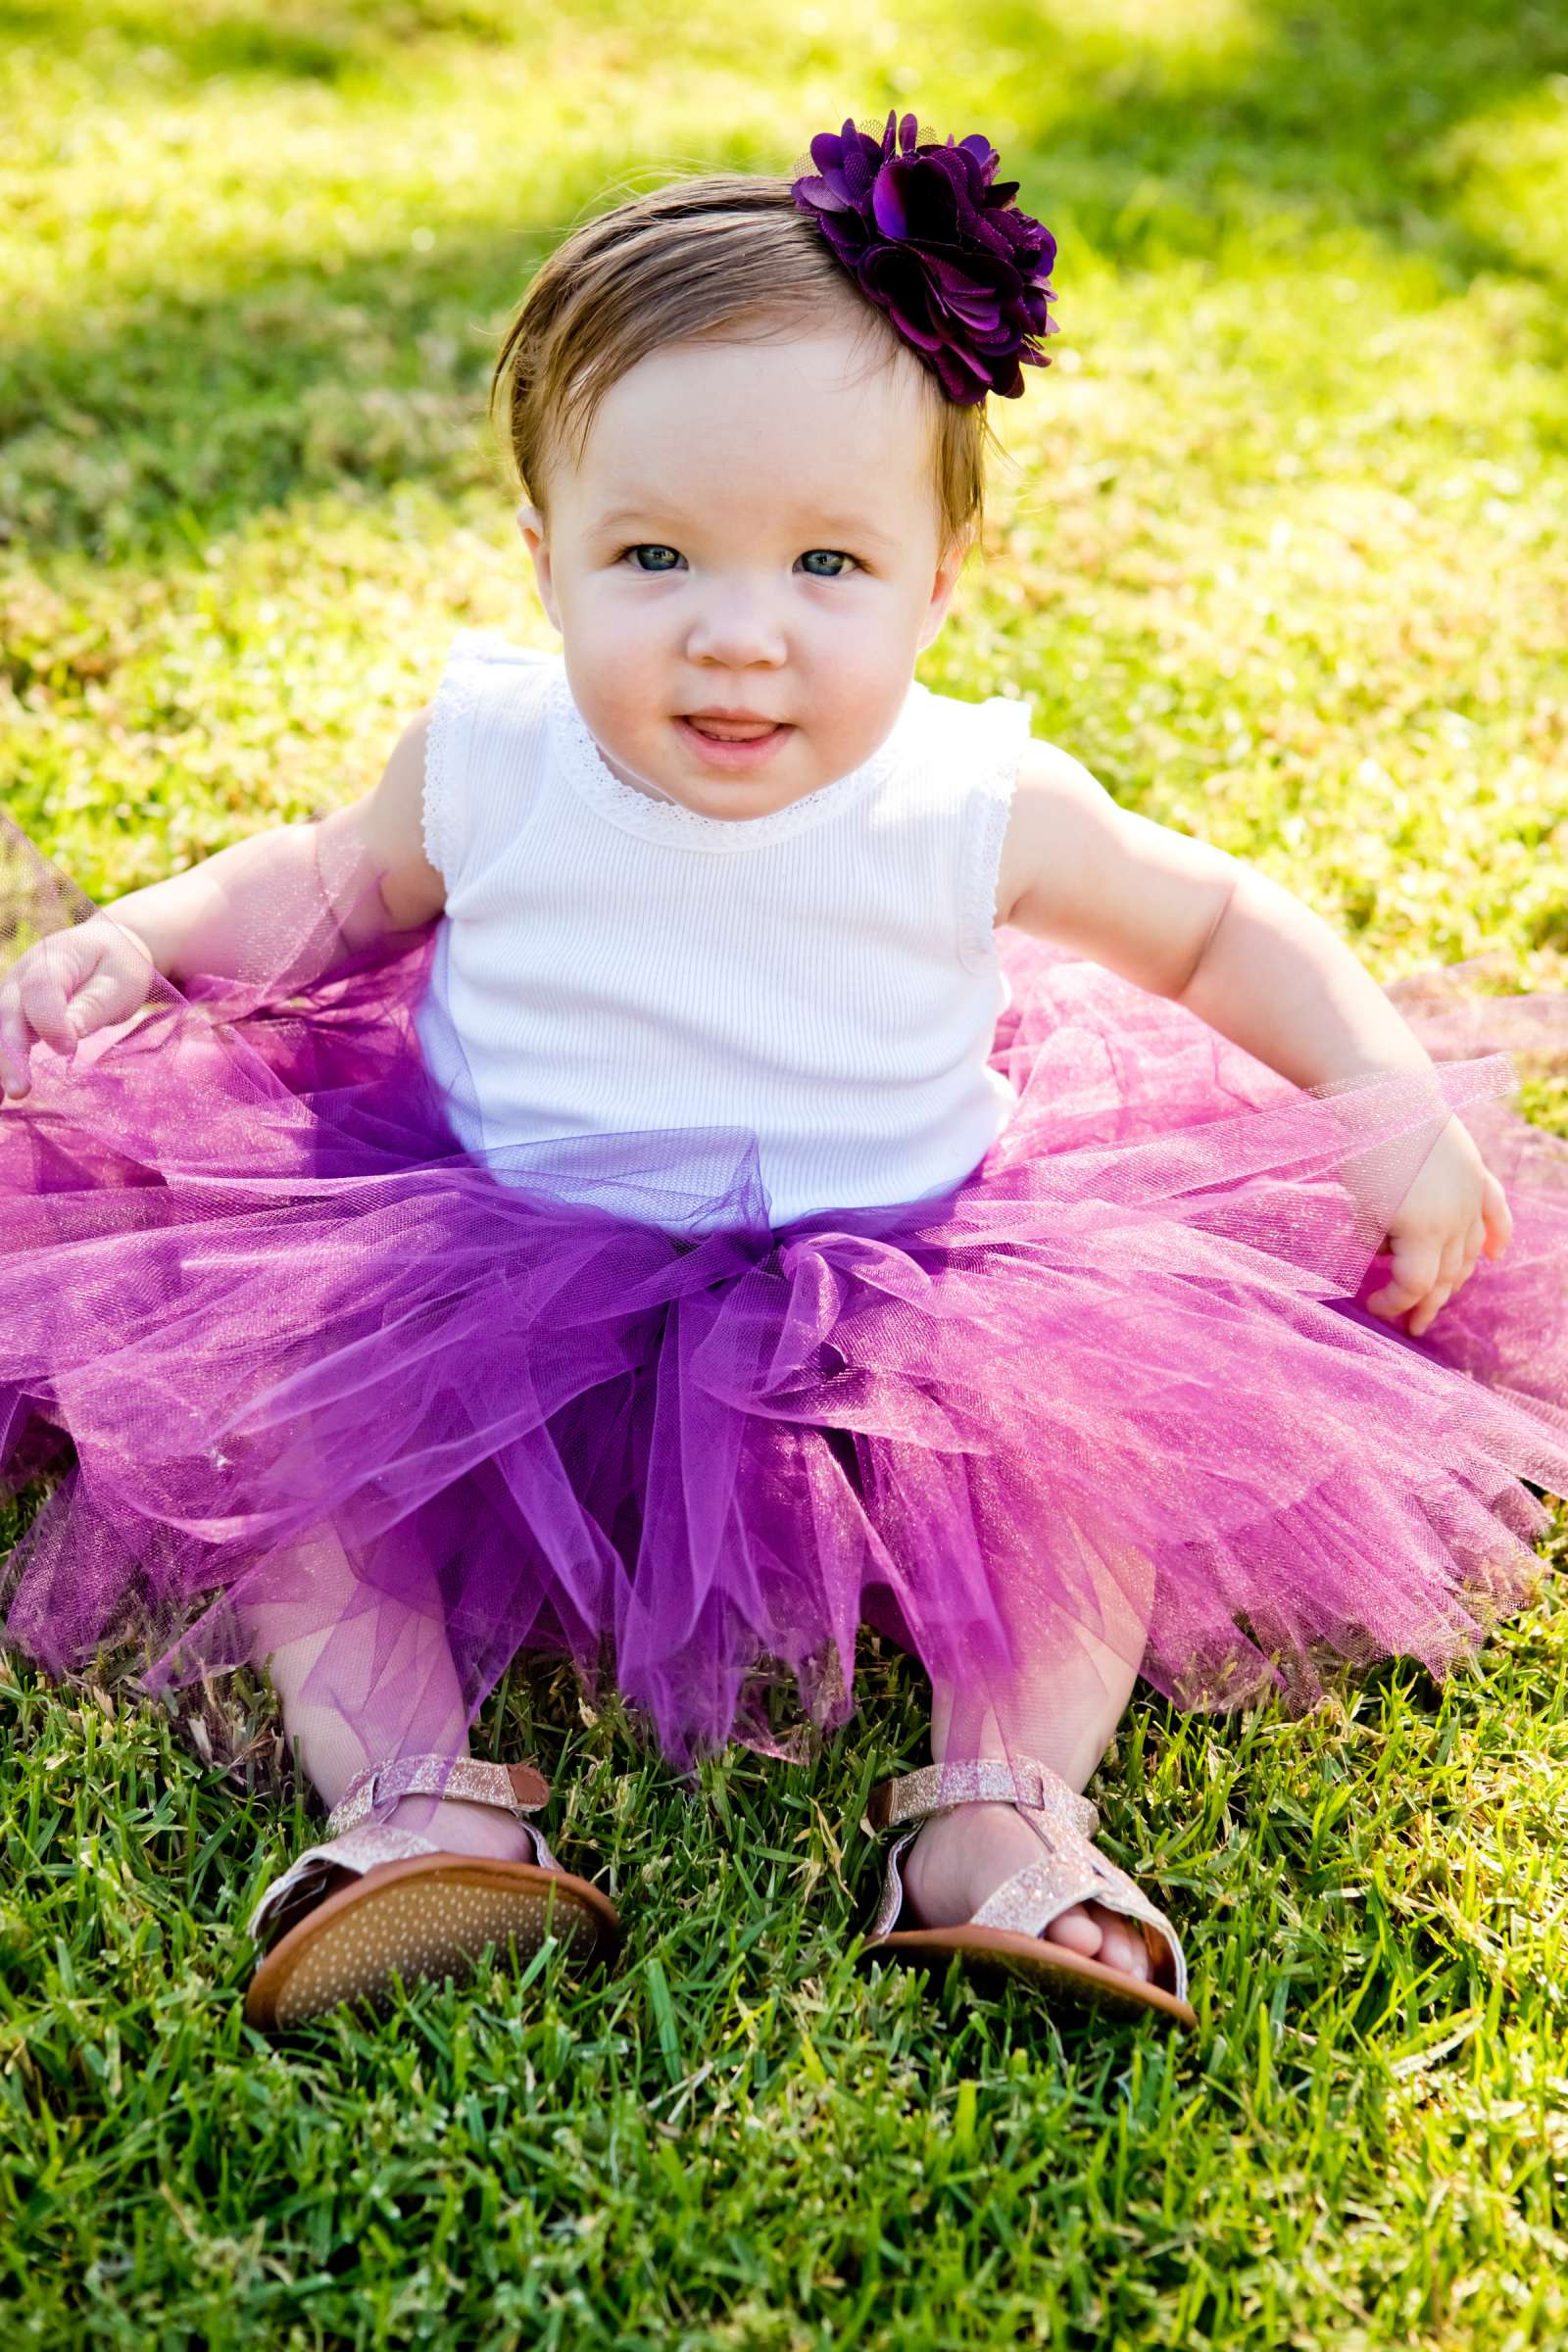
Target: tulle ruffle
x,y
292,1350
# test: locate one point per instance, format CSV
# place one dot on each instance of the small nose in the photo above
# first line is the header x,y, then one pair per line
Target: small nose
x,y
737,628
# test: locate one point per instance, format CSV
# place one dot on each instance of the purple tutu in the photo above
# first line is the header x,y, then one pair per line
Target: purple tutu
x,y
284,1343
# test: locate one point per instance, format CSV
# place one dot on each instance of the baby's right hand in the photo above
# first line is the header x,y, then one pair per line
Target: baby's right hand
x,y
66,986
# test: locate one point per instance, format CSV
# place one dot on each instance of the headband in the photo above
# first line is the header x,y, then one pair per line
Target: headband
x,y
932,240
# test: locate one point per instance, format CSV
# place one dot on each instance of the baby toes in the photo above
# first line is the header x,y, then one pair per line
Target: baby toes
x,y
1079,1930
1096,1934
1121,1945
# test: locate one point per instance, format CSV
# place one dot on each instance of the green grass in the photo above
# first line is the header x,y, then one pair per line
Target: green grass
x,y
1282,556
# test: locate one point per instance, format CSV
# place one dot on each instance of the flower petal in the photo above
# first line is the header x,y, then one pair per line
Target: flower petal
x,y
936,242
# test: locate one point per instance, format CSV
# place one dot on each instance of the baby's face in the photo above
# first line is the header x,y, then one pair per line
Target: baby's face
x,y
752,530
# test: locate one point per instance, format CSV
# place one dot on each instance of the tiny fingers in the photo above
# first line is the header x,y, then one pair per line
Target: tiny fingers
x,y
1474,1241
1430,1307
1415,1271
99,1002
1453,1269
43,1004
1426,1277
1496,1216
14,1044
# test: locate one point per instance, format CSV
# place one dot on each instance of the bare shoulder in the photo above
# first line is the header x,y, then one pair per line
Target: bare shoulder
x,y
1105,881
1061,813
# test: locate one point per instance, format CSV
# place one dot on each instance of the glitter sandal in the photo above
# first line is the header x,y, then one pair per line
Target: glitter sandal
x,y
373,1903
1008,1933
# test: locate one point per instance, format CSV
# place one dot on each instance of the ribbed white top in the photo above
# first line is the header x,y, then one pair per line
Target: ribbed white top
x,y
818,987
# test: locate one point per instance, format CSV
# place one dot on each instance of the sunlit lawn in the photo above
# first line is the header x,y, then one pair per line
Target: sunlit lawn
x,y
1282,553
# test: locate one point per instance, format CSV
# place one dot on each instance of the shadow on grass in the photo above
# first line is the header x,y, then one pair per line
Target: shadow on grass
x,y
1337,110
180,417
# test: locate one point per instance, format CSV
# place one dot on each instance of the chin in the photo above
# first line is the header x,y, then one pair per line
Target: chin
x,y
714,797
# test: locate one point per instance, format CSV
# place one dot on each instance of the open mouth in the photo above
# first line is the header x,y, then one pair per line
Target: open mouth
x,y
732,742
733,730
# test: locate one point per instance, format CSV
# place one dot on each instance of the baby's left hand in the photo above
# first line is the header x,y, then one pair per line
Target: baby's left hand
x,y
1455,1210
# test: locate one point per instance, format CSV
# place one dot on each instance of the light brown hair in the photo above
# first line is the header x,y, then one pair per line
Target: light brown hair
x,y
714,255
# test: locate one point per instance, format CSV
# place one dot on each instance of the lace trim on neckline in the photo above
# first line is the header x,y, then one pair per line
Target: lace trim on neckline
x,y
669,820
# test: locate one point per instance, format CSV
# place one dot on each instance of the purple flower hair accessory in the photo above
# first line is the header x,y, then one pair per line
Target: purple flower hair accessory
x,y
933,240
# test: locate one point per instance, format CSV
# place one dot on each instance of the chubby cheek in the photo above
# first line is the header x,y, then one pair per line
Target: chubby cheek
x,y
621,682
857,693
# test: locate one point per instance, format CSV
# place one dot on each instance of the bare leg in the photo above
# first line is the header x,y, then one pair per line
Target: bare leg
x,y
1063,1707
362,1679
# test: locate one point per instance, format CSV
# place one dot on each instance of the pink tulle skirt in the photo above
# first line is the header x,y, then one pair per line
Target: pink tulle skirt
x,y
290,1354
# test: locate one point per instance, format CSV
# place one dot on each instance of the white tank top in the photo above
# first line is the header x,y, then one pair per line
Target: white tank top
x,y
809,995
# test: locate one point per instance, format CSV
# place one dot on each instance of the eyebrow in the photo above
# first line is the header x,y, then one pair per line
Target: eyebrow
x,y
834,526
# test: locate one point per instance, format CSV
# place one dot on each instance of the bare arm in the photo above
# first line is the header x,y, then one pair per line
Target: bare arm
x,y
363,866
285,906
1186,921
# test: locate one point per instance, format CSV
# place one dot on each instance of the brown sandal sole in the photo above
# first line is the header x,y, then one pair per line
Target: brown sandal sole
x,y
992,1951
431,1916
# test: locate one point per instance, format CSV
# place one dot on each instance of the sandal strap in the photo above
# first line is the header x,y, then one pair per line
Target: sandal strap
x,y
305,1882
987,1780
891,1900
356,1841
515,1789
309,1876
1071,1870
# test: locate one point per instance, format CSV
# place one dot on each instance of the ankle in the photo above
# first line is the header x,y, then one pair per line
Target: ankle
x,y
1073,1755
958,1858
456,1827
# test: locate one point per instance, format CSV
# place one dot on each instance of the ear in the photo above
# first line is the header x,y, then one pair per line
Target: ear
x,y
942,588
532,523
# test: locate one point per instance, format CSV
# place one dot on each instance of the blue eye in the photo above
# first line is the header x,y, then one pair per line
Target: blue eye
x,y
833,555
650,547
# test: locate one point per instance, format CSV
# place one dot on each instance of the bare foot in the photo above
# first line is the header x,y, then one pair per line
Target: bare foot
x,y
964,1856
459,1828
